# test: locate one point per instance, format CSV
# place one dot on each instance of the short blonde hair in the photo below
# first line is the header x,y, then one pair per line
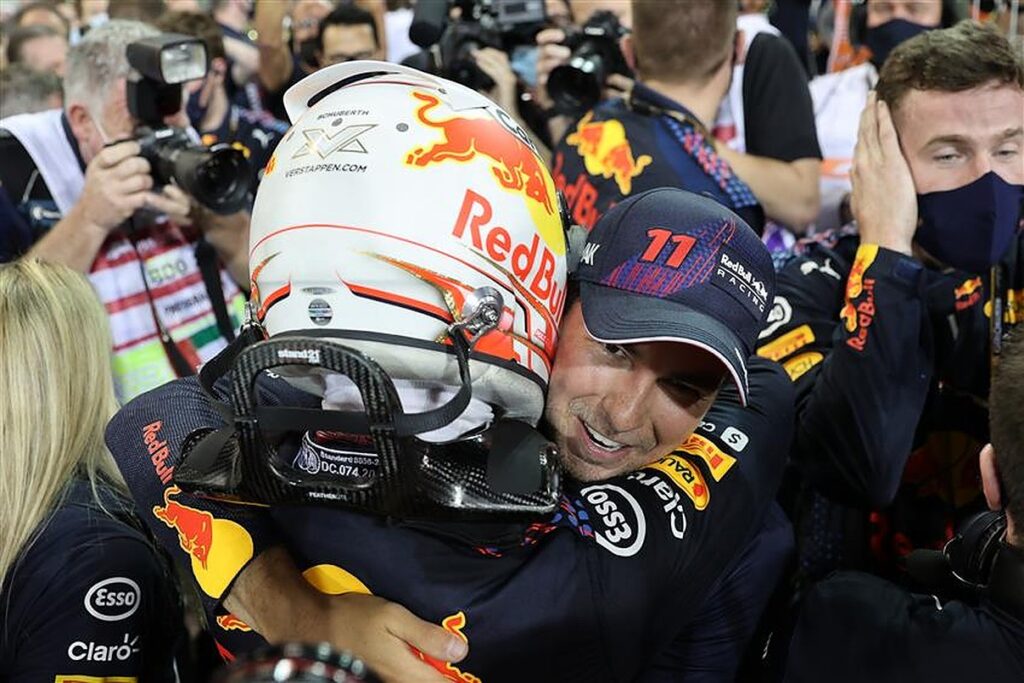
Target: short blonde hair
x,y
56,394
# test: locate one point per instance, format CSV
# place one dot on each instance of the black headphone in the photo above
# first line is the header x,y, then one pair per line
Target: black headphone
x,y
977,561
859,19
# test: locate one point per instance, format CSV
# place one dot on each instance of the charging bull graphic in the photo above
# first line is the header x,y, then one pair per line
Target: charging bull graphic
x,y
516,165
606,151
219,548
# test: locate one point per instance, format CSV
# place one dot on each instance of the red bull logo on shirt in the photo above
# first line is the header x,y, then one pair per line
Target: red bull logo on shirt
x,y
606,151
229,622
158,451
454,625
219,548
858,312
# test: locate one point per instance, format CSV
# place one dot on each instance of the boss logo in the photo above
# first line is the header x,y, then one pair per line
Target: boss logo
x,y
619,524
113,599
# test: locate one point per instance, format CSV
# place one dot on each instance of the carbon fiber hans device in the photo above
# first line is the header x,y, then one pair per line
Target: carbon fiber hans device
x,y
508,470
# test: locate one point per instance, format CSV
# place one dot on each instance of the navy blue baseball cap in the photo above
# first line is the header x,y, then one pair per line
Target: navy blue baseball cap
x,y
671,265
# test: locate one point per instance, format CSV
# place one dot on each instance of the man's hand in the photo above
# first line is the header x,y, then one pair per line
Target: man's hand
x,y
173,203
117,184
272,596
495,64
383,634
884,201
550,53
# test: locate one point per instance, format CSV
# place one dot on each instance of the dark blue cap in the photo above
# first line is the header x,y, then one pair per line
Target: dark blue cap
x,y
671,265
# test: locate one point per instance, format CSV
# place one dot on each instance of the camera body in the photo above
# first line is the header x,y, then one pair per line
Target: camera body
x,y
500,24
576,86
217,177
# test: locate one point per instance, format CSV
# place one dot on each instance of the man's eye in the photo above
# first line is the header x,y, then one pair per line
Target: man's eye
x,y
615,350
684,393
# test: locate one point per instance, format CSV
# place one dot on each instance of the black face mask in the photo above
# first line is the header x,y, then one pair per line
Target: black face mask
x,y
881,40
308,53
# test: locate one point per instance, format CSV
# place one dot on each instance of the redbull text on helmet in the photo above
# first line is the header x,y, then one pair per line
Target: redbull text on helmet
x,y
532,264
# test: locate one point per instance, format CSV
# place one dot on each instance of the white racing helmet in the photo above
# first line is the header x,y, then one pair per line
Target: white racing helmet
x,y
394,204
408,263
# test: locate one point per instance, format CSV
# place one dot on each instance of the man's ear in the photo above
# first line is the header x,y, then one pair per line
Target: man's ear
x,y
81,122
628,48
990,478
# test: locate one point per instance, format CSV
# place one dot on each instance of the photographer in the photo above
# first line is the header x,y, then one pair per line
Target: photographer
x,y
657,134
772,145
899,636
78,178
209,108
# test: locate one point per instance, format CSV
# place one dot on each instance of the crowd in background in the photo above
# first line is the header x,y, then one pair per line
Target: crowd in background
x,y
888,316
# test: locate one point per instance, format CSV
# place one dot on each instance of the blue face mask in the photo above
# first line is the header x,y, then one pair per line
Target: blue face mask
x,y
971,227
883,38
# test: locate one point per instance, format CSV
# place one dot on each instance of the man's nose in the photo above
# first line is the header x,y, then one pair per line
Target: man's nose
x,y
628,406
981,165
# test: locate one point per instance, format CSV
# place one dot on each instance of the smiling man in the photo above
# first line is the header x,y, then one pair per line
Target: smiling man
x,y
889,334
656,343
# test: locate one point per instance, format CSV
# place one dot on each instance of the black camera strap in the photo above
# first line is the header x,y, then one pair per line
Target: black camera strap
x,y
206,258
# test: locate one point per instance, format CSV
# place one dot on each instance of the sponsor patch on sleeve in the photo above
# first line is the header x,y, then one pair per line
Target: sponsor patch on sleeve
x,y
718,461
787,344
686,477
797,366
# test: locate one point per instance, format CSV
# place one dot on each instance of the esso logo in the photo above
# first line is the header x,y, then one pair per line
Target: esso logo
x,y
618,521
113,599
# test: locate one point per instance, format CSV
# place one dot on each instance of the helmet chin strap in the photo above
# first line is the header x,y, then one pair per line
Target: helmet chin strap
x,y
481,314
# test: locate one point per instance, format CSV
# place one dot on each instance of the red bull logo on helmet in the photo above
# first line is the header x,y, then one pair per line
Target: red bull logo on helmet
x,y
515,163
606,151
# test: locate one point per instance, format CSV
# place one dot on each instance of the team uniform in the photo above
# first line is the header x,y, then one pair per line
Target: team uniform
x,y
89,599
902,636
600,591
875,342
623,148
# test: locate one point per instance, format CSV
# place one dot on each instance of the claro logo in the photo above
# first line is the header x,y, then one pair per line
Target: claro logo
x,y
113,599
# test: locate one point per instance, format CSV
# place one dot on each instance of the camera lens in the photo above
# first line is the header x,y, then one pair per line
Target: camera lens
x,y
218,178
576,86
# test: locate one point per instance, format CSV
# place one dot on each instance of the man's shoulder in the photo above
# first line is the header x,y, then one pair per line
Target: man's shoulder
x,y
768,50
17,167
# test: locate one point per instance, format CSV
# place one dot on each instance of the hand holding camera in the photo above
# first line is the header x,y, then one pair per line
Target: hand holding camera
x,y
117,184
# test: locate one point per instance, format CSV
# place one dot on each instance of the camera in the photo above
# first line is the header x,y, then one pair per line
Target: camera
x,y
218,177
501,24
576,86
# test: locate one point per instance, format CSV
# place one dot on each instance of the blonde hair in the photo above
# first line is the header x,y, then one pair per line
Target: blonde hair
x,y
56,395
